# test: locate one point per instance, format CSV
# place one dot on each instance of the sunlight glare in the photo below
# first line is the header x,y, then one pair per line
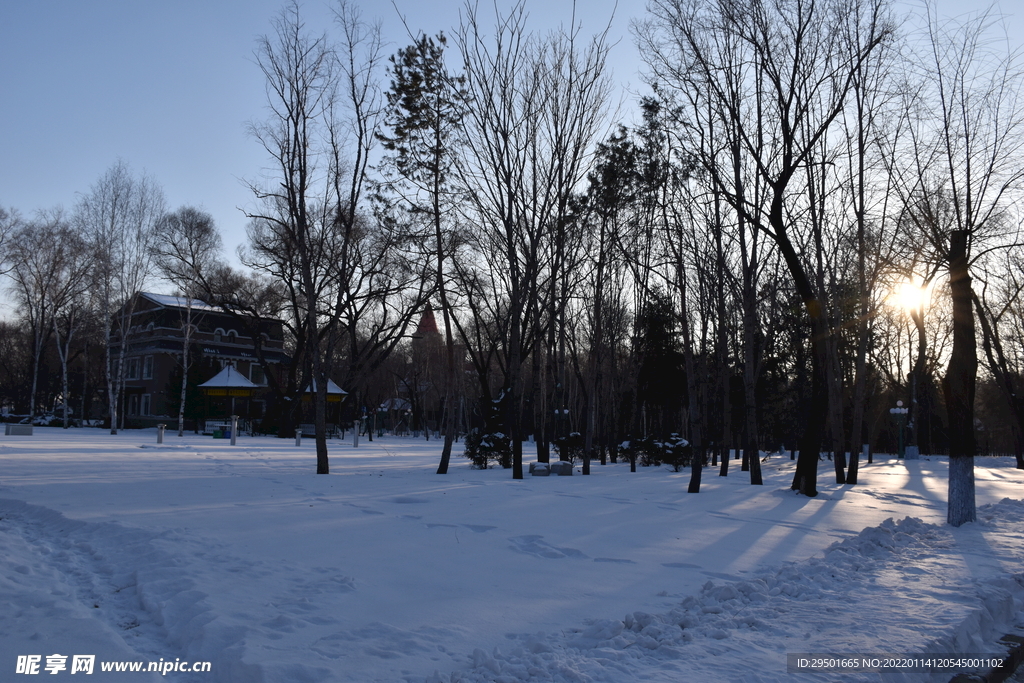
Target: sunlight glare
x,y
910,296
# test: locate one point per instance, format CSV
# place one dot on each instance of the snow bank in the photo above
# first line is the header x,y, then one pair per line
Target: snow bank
x,y
847,601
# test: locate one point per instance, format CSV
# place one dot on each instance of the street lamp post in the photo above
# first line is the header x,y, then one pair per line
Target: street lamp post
x,y
899,413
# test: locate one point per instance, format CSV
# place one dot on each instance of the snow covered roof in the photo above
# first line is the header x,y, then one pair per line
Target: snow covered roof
x,y
229,377
395,404
168,301
332,388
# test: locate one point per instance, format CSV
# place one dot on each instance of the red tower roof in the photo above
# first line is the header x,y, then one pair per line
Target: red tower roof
x,y
428,325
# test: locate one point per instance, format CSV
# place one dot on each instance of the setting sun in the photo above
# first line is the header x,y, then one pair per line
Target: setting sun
x,y
910,296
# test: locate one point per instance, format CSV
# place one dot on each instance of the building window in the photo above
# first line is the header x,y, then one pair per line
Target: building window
x,y
133,404
132,371
146,401
147,367
256,374
217,335
232,337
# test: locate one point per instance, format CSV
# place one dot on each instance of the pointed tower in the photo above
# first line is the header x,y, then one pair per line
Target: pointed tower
x,y
428,324
427,343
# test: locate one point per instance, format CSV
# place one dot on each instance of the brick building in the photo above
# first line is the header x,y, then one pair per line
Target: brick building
x,y
155,345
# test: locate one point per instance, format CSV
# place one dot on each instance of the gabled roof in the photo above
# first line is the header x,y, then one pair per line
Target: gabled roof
x,y
229,378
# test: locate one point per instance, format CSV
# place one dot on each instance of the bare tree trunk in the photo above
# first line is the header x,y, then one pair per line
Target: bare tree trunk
x,y
112,387
959,386
37,352
186,342
805,477
694,412
450,390
597,339
835,401
750,447
859,397
63,348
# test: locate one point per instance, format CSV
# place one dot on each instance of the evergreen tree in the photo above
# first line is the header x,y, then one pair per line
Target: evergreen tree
x,y
425,107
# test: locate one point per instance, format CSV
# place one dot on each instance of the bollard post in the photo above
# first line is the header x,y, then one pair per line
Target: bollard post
x,y
234,428
355,433
160,433
865,451
298,437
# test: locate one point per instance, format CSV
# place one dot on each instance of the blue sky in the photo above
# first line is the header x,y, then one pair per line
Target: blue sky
x,y
170,86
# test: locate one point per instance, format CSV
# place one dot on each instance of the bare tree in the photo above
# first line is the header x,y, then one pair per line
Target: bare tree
x,y
964,172
867,193
769,72
343,272
117,217
538,106
1000,307
10,220
186,245
613,186
71,307
47,268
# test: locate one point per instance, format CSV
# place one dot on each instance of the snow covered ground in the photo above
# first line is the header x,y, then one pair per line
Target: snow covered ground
x,y
384,571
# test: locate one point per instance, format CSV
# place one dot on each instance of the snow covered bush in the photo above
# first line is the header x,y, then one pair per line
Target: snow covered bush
x,y
676,451
649,452
482,448
646,451
570,447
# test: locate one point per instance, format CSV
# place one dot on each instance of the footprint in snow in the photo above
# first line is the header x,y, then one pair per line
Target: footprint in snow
x,y
613,559
479,528
367,511
533,545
